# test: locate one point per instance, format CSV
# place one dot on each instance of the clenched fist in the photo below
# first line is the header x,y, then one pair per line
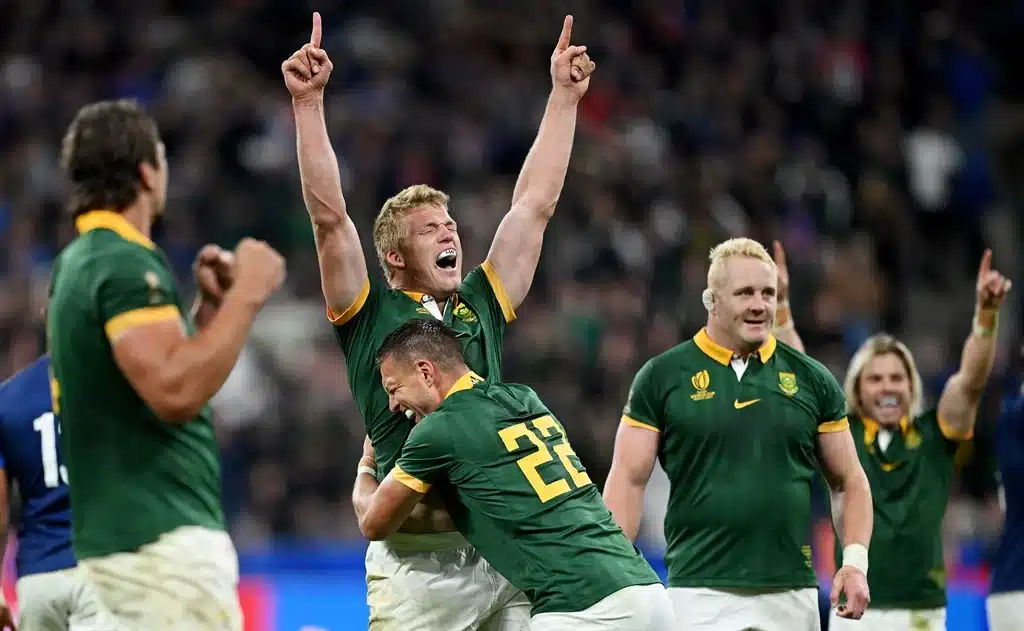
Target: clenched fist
x,y
259,270
214,270
306,72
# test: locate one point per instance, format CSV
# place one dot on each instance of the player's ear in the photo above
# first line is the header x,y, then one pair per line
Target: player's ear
x,y
395,259
708,298
148,176
425,370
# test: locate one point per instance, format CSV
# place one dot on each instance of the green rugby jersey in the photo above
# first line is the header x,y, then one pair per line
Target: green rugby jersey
x,y
741,454
909,487
478,314
521,496
133,477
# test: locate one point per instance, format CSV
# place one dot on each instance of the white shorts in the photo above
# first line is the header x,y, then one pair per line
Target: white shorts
x,y
636,608
58,601
1005,611
892,620
438,582
705,609
187,580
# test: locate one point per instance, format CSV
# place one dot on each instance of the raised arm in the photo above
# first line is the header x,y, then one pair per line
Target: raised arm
x,y
342,264
176,375
515,250
958,405
785,328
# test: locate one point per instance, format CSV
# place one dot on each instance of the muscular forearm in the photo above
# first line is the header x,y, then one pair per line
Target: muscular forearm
x,y
979,351
853,511
318,166
362,495
543,174
197,368
625,500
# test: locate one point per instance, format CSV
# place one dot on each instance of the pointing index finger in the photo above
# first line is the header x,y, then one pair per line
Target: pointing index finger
x,y
780,254
563,39
314,39
986,263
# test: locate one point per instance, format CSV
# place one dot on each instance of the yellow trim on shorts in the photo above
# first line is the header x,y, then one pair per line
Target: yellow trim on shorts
x,y
413,483
353,309
632,422
832,427
137,317
951,432
499,290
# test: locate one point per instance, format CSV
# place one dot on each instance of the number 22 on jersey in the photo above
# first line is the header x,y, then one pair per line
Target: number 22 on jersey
x,y
547,426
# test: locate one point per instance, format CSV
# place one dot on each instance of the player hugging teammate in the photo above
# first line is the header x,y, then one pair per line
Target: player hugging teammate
x,y
420,250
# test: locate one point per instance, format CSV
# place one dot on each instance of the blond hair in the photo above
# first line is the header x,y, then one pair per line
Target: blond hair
x,y
874,346
388,229
737,246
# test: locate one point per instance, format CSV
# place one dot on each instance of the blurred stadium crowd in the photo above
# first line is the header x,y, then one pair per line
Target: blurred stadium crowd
x,y
879,144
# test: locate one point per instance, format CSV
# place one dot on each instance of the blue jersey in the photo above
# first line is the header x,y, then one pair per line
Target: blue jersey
x,y
29,454
1008,573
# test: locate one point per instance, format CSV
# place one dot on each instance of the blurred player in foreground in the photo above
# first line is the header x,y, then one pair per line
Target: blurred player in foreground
x,y
536,517
52,593
1005,602
419,249
907,453
132,378
740,423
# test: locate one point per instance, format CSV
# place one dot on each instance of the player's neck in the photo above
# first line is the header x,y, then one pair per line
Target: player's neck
x,y
139,216
411,286
446,380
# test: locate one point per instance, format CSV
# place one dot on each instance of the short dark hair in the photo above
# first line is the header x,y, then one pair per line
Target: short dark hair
x,y
102,151
426,339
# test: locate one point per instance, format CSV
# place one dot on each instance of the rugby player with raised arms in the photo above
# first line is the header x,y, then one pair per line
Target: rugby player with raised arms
x,y
908,450
420,251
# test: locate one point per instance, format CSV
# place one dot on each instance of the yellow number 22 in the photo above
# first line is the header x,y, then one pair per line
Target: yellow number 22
x,y
547,426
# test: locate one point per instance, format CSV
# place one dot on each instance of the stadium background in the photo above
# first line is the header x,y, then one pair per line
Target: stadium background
x,y
880,142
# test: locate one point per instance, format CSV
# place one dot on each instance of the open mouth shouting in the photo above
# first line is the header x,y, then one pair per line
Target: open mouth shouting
x,y
447,259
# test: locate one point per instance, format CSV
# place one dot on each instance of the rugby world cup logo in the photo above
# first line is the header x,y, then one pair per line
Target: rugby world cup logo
x,y
701,382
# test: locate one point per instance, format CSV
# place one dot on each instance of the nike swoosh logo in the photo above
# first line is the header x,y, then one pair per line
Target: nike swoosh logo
x,y
739,405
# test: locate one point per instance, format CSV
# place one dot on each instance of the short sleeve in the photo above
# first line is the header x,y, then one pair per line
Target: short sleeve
x,y
425,457
363,303
642,408
133,289
354,327
832,404
484,286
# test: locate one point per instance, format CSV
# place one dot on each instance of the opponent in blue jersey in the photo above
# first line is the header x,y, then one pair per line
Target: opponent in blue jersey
x,y
52,594
1006,598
